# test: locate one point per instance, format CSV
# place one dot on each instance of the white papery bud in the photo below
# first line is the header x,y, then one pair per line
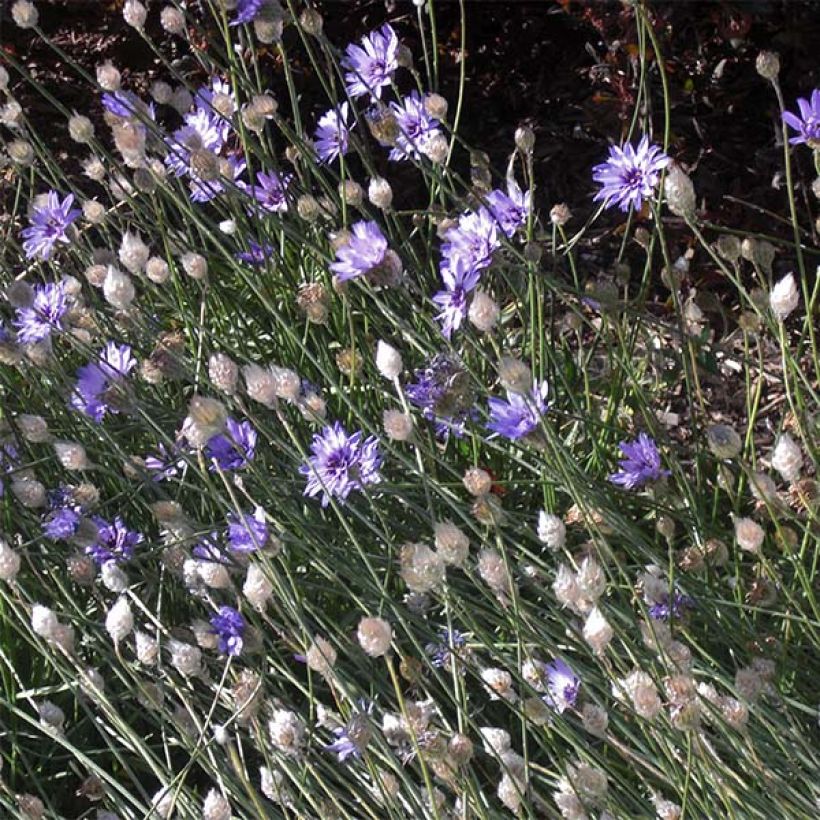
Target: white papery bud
x,y
380,193
452,544
157,270
499,684
11,114
33,428
784,297
181,99
436,149
185,658
20,152
108,76
551,530
4,80
172,20
135,14
215,807
80,128
321,657
206,418
257,587
597,631
72,455
51,715
30,806
114,577
195,265
679,191
287,732
29,492
94,169
595,719
421,568
767,65
163,803
287,383
260,384
147,648
591,579
724,441
477,482
24,14
9,562
94,212
763,487
118,288
44,622
436,106
161,92
223,372
493,571
388,361
787,457
484,311
749,534
514,375
374,636
120,620
133,253
398,426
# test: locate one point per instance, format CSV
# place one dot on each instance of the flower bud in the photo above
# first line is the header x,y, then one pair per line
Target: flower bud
x,y
514,375
118,288
80,128
388,361
452,544
679,191
195,265
120,620
135,14
172,20
477,481
551,530
484,311
767,65
784,297
157,270
108,76
435,106
9,562
20,152
374,636
597,631
749,534
380,193
24,14
524,139
71,455
787,457
724,441
398,426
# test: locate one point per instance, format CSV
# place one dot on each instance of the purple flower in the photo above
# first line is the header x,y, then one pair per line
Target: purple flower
x,y
230,627
509,210
99,387
115,542
270,191
441,654
807,124
247,533
416,127
353,737
332,134
641,465
204,130
62,523
362,253
127,104
562,686
341,463
666,611
35,323
233,449
166,464
256,254
443,392
472,241
520,414
204,190
246,11
629,175
459,280
371,65
48,225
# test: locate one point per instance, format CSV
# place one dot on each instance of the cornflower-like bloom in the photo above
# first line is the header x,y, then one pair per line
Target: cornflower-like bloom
x,y
332,137
256,254
443,392
362,254
371,65
807,124
35,323
270,191
416,127
472,241
126,104
459,280
99,386
115,542
203,131
247,533
641,465
441,655
630,175
509,210
341,463
166,464
229,626
667,610
62,522
48,225
246,11
233,449
519,415
562,685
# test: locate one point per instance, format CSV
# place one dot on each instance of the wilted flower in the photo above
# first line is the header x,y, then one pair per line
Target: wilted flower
x,y
641,465
332,134
807,124
341,463
629,175
519,415
352,738
371,65
229,626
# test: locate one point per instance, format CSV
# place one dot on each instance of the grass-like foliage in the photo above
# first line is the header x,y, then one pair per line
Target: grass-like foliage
x,y
339,482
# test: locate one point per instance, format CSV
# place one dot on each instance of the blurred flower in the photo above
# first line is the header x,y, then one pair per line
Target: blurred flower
x,y
229,626
641,465
247,533
442,390
256,254
341,463
562,685
665,610
459,280
371,65
270,190
64,519
441,654
95,392
166,464
246,11
520,414
35,323
115,542
353,737
233,449
362,253
332,134
629,175
416,127
807,124
48,225
509,210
